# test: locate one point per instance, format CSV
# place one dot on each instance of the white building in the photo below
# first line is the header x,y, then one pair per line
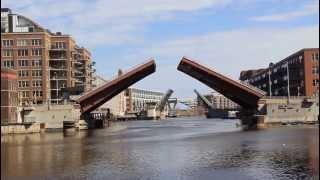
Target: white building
x,y
138,99
221,102
117,104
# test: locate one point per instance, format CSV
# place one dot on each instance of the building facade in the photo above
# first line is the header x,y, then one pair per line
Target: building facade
x,y
137,100
219,101
9,96
45,62
296,75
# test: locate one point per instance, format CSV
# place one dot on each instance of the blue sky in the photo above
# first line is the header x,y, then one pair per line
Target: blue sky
x,y
227,35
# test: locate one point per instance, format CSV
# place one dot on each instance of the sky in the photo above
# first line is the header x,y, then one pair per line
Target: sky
x,y
226,35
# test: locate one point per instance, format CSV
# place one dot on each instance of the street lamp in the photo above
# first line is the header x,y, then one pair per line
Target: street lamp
x,y
270,83
269,73
288,79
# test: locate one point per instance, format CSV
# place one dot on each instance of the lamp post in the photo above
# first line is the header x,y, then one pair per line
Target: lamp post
x,y
288,79
269,73
298,91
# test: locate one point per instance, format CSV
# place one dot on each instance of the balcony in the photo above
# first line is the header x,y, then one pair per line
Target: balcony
x,y
58,58
78,62
57,68
56,48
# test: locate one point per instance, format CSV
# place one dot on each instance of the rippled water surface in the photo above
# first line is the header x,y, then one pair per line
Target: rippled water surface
x,y
171,149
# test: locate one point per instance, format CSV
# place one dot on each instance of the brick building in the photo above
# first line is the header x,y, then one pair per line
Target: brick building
x,y
300,69
9,96
45,62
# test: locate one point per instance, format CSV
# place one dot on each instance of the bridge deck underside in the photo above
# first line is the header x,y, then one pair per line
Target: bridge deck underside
x,y
99,96
240,94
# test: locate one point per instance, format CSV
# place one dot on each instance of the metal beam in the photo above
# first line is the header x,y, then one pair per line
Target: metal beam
x,y
239,93
95,98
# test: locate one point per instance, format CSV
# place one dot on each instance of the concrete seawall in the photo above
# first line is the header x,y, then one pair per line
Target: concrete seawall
x,y
20,128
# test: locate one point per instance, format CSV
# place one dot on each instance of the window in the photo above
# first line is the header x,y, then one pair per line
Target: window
x,y
23,63
6,53
22,52
8,64
37,93
36,73
36,42
36,63
275,70
22,42
317,56
24,94
23,84
36,52
37,83
23,73
60,45
315,70
315,82
7,43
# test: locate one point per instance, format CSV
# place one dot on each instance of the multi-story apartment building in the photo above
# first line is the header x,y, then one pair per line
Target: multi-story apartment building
x,y
137,99
46,62
297,74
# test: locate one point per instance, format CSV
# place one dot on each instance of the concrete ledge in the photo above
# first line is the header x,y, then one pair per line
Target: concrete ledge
x,y
20,128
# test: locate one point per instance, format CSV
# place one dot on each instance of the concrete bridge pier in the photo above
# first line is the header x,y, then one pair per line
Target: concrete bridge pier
x,y
248,118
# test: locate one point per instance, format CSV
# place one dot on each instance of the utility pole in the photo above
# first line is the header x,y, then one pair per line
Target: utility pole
x,y
288,78
269,73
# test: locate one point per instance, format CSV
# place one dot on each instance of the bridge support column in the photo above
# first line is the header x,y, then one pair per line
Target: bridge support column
x,y
248,118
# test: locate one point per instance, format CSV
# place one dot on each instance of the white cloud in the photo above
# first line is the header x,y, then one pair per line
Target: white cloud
x,y
308,9
226,52
104,21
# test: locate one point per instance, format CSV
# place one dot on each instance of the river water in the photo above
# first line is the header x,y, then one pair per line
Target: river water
x,y
193,148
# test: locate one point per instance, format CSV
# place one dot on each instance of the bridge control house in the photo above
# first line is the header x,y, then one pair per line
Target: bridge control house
x,y
297,74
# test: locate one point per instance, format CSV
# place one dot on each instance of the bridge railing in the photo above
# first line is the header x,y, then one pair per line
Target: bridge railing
x,y
252,87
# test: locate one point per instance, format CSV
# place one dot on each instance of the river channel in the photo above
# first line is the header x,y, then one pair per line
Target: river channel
x,y
181,148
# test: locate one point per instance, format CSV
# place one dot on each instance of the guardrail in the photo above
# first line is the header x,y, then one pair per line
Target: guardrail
x,y
252,87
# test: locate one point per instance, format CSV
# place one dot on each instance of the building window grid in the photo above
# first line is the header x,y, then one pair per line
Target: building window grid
x,y
7,42
36,42
24,94
37,93
22,42
36,73
23,73
7,53
22,52
36,52
23,84
36,83
8,64
23,63
36,63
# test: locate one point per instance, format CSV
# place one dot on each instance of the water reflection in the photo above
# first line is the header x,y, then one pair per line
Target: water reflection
x,y
175,149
